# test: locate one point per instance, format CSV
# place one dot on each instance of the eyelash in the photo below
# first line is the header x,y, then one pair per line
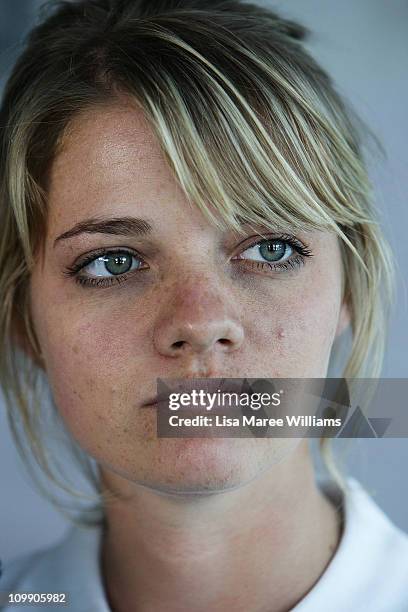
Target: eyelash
x,y
293,262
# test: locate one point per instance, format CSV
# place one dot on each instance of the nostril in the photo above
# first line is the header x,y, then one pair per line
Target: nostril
x,y
224,341
178,343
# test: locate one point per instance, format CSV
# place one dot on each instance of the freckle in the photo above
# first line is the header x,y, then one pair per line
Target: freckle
x,y
75,348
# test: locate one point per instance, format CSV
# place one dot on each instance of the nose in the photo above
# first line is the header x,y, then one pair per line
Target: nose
x,y
198,317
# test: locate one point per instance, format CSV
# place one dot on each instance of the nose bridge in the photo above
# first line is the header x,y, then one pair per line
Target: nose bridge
x,y
198,315
198,293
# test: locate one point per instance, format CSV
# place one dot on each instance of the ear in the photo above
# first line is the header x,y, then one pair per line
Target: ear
x,y
344,319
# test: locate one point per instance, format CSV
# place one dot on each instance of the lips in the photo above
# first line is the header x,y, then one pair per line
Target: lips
x,y
187,385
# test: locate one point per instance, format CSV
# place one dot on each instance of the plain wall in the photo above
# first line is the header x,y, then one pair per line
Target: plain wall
x,y
364,45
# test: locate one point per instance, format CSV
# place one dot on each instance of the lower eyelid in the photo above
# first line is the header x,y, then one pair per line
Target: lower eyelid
x,y
107,281
294,261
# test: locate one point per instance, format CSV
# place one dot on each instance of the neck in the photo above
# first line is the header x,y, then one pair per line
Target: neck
x,y
260,547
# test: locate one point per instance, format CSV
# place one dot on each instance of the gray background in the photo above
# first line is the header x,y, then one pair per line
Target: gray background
x,y
364,45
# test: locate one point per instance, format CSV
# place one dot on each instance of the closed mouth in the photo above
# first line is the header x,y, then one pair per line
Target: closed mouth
x,y
208,385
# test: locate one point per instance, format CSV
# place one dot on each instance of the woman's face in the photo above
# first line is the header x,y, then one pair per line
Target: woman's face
x,y
194,302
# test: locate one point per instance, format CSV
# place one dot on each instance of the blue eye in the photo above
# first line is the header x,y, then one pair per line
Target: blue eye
x,y
113,263
279,254
272,250
103,268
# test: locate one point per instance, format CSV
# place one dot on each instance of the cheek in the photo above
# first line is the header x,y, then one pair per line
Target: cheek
x,y
295,333
94,365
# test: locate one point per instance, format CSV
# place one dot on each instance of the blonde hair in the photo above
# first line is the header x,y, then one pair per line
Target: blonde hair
x,y
248,122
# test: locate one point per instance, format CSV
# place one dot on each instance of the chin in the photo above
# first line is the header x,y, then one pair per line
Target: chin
x,y
208,466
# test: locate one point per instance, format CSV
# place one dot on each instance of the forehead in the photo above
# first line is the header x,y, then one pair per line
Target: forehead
x,y
106,138
109,158
110,163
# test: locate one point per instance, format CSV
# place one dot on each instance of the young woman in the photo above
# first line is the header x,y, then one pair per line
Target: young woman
x,y
183,195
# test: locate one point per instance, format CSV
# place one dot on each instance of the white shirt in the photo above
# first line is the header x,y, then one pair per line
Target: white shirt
x,y
368,573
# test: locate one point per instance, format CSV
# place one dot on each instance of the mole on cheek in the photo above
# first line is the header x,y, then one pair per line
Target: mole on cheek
x,y
280,333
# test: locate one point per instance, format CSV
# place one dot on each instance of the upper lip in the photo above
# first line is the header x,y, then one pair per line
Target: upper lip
x,y
209,385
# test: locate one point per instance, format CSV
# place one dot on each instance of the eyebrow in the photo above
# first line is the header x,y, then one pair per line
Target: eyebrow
x,y
119,226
